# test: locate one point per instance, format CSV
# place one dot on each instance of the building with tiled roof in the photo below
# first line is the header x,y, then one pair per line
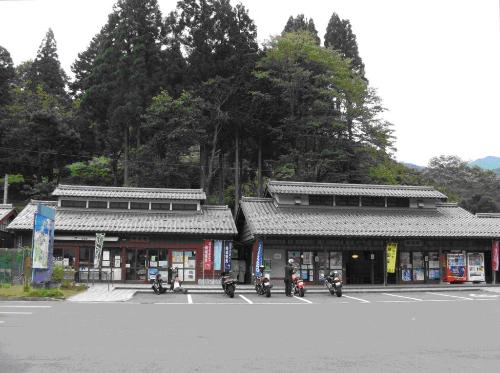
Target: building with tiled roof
x,y
145,228
348,227
7,214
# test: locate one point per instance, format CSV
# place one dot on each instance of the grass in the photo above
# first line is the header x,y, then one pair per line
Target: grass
x,y
17,291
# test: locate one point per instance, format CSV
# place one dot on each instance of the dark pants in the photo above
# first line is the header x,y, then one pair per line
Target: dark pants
x,y
288,287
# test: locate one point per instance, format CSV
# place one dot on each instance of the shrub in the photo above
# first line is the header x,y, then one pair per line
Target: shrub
x,y
46,293
57,273
67,284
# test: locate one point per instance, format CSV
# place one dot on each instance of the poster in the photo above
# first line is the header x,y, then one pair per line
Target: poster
x,y
391,257
99,243
43,236
258,261
105,255
494,255
335,259
117,261
207,255
217,255
307,257
228,246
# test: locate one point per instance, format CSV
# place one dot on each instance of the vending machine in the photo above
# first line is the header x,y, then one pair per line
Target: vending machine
x,y
475,265
454,269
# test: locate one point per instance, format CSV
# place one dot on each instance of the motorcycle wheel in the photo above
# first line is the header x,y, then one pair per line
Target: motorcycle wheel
x,y
268,294
257,289
339,293
332,292
302,292
230,291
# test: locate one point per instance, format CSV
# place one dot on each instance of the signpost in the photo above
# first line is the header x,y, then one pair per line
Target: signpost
x,y
43,243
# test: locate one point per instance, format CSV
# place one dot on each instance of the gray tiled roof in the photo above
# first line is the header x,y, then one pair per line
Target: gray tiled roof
x,y
264,218
211,220
291,187
131,193
5,210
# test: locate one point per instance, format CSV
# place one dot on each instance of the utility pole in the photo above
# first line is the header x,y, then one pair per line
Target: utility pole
x,y
5,189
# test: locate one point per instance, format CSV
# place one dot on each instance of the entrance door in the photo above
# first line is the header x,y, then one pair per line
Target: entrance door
x,y
364,267
185,262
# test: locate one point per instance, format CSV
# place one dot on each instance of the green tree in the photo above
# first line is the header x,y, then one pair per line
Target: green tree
x,y
340,37
46,69
6,77
301,23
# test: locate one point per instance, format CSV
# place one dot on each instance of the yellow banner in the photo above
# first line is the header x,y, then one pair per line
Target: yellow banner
x,y
392,249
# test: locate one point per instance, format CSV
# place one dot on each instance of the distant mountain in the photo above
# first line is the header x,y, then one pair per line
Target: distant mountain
x,y
488,163
413,166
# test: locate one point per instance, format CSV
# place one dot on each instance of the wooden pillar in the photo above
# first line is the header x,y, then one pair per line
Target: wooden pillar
x,y
385,264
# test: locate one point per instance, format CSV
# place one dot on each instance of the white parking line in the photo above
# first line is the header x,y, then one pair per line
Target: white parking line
x,y
402,296
358,299
303,299
190,299
246,299
451,296
25,306
1,321
16,313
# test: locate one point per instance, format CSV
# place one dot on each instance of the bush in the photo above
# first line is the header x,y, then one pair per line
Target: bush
x,y
5,286
67,284
46,293
58,273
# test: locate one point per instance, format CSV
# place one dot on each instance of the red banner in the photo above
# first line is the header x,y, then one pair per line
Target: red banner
x,y
208,249
494,255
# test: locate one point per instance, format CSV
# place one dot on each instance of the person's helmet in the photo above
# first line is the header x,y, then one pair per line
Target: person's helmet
x,y
290,261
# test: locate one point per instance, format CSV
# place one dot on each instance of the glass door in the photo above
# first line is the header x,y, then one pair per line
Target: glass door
x,y
185,262
433,271
418,266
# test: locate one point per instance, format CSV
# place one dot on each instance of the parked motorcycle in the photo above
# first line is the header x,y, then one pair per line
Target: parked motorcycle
x,y
228,284
263,284
298,285
333,282
158,285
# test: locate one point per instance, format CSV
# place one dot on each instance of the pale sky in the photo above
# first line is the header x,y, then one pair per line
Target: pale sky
x,y
435,63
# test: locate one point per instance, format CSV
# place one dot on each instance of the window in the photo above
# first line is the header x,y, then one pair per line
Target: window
x,y
346,201
98,204
321,200
73,203
160,206
398,202
118,205
139,205
184,206
373,201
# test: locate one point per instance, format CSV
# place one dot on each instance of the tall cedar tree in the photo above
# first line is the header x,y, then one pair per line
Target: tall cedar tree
x,y
339,36
46,69
6,77
119,74
221,46
301,23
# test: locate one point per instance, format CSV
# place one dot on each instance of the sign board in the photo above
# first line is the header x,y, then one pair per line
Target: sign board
x,y
99,243
494,255
207,255
228,248
392,249
258,261
43,243
217,255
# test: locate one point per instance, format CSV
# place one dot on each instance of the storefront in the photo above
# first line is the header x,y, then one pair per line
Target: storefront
x,y
311,224
146,231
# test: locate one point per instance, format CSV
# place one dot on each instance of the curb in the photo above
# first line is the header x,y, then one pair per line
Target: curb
x,y
30,299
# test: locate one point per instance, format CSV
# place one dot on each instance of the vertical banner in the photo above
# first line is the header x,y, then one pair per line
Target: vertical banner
x,y
258,261
392,249
217,255
228,247
494,255
99,243
207,255
43,243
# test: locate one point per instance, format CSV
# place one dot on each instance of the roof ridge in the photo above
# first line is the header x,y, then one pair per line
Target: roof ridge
x,y
255,199
100,187
347,185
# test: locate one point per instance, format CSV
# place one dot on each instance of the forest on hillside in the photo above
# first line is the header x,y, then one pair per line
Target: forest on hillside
x,y
191,100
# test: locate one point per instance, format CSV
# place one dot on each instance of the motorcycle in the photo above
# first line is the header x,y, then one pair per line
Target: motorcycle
x,y
333,283
158,285
263,284
228,284
298,285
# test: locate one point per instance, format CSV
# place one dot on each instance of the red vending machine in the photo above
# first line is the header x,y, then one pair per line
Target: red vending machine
x,y
454,269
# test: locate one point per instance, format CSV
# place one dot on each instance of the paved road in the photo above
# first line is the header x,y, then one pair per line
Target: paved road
x,y
403,332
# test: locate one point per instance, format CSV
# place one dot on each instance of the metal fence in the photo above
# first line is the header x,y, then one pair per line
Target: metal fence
x,y
12,262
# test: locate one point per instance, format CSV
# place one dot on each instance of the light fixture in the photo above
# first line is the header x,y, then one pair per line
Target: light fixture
x,y
355,256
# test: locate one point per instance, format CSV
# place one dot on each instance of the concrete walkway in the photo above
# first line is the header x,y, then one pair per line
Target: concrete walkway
x,y
100,293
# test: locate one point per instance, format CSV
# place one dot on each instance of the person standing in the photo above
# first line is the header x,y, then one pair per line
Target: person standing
x,y
288,278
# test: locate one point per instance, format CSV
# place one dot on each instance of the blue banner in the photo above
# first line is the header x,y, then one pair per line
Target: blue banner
x,y
258,261
43,243
217,255
228,246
